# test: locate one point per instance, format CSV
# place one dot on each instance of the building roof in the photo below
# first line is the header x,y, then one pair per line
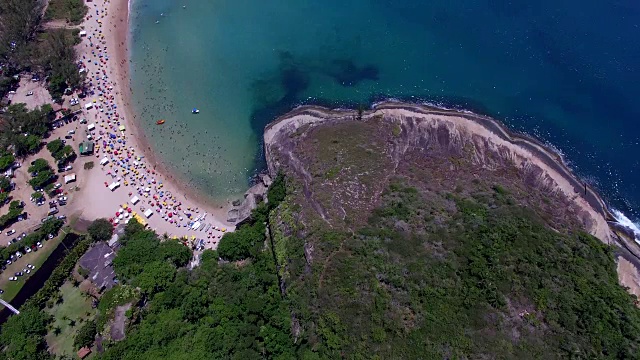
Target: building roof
x,y
82,353
98,262
86,147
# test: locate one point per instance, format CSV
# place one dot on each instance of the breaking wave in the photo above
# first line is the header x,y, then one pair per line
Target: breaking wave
x,y
626,222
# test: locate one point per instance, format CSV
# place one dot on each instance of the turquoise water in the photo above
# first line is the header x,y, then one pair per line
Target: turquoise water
x,y
565,72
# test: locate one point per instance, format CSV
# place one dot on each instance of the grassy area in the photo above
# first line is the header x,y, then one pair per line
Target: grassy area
x,y
72,11
37,258
75,309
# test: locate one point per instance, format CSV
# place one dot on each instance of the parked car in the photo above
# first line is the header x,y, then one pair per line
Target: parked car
x,y
68,137
39,244
50,236
18,273
13,278
62,198
1,291
27,271
29,93
27,250
11,232
31,266
9,262
57,186
18,254
61,217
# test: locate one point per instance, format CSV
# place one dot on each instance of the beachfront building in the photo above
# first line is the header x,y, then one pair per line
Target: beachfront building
x,y
86,148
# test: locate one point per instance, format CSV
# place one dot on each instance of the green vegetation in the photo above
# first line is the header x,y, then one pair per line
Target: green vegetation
x,y
72,306
60,151
36,258
100,230
216,311
44,296
89,165
43,174
58,61
73,11
248,240
24,48
24,129
23,336
86,335
6,161
15,210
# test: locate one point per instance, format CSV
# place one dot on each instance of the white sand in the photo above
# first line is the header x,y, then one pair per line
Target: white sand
x,y
108,29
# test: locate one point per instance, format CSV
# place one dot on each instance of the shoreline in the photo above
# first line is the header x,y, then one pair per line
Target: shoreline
x,y
104,53
123,59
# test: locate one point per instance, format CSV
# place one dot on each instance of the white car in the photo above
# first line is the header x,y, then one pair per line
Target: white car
x,y
29,93
27,249
39,244
31,266
63,198
57,186
13,278
27,271
11,232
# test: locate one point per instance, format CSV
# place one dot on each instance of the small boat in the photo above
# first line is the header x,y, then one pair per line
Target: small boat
x,y
195,111
160,122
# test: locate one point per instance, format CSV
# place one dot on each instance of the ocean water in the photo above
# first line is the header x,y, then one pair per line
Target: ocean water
x,y
566,72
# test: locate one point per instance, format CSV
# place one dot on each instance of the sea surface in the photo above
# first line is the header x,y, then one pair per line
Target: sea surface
x,y
566,72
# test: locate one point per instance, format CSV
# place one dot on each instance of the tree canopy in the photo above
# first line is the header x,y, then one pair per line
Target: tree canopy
x,y
100,230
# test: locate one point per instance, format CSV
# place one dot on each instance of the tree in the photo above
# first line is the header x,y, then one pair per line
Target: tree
x,y
6,161
100,230
155,277
22,336
86,335
51,226
38,165
178,254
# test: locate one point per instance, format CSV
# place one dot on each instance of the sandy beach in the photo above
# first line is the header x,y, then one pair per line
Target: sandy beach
x,y
104,55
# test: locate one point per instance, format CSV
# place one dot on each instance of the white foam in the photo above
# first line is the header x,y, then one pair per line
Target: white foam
x,y
626,222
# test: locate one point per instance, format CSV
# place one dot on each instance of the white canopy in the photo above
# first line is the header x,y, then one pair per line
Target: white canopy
x,y
104,161
83,33
134,200
114,185
148,213
69,178
88,106
91,126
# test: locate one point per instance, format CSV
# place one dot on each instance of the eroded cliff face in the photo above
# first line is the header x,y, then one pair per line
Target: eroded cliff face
x,y
397,136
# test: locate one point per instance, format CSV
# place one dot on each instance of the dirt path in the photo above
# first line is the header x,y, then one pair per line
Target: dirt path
x,y
117,328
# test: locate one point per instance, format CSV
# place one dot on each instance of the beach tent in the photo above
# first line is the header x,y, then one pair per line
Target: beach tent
x,y
91,126
82,33
114,186
148,213
134,200
88,106
69,178
104,161
121,127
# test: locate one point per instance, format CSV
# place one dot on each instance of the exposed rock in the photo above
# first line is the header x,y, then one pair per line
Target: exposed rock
x,y
240,210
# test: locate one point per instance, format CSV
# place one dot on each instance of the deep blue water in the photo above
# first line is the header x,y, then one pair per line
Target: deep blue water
x,y
566,72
